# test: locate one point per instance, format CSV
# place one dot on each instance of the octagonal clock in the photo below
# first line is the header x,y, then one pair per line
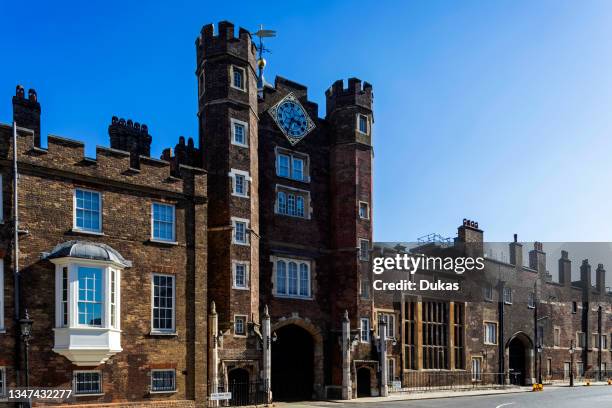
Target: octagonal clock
x,y
291,118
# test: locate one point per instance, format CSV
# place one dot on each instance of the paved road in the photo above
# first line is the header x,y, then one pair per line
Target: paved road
x,y
577,397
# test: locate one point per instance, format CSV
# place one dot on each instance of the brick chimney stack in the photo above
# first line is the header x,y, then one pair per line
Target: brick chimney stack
x,y
26,111
130,137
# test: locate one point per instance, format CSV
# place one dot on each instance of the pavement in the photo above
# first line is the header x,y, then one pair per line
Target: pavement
x,y
597,395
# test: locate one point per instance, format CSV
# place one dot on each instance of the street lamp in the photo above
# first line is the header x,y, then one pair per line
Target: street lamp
x,y
572,350
540,364
25,324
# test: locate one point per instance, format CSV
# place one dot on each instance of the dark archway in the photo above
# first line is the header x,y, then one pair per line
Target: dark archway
x,y
238,380
517,361
364,388
292,364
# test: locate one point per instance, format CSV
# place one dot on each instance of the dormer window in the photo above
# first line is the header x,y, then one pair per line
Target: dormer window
x,y
87,301
238,78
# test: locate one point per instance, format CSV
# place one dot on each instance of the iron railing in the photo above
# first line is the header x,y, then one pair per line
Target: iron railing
x,y
421,381
242,394
563,376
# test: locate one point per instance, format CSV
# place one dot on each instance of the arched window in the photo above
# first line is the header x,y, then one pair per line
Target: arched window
x,y
281,278
293,278
299,206
304,280
282,202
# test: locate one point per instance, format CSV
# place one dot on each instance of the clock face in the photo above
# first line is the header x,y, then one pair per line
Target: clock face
x,y
291,118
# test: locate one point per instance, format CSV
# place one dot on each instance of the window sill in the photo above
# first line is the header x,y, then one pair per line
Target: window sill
x,y
85,232
163,392
238,89
163,334
89,395
2,330
162,242
293,297
292,216
240,144
239,288
240,195
241,243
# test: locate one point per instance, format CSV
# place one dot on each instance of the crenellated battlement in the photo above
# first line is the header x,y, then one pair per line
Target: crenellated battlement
x,y
224,41
357,93
67,157
131,137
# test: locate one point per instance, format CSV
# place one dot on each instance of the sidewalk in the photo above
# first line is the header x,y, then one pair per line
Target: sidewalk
x,y
406,396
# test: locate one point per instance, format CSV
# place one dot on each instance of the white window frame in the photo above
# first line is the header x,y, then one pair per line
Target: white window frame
x,y
246,275
233,123
246,222
244,318
244,78
367,117
291,155
305,194
165,240
2,326
476,375
157,331
363,257
485,339
531,300
299,263
556,329
74,212
364,289
390,331
364,330
3,386
247,182
367,210
157,370
74,383
507,299
487,292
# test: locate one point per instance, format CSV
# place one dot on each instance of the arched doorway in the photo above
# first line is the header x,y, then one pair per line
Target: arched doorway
x,y
238,381
364,382
519,361
292,364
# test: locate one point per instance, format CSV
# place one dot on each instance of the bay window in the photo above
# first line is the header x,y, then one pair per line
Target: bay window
x,y
87,301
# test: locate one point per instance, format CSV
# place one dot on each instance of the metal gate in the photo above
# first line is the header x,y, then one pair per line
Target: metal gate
x,y
242,393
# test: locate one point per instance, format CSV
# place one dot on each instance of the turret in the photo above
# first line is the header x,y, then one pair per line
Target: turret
x,y
227,110
26,112
349,114
349,110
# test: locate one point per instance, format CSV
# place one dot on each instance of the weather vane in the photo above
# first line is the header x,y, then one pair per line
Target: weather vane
x,y
261,62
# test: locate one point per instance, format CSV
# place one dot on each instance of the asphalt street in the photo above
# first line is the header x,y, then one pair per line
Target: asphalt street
x,y
577,397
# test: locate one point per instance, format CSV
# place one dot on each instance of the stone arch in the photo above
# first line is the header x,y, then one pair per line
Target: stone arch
x,y
519,351
317,336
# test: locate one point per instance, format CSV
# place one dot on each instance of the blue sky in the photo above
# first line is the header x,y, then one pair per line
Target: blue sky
x,y
498,111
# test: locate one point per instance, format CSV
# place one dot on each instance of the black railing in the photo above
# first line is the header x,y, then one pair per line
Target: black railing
x,y
563,376
449,381
242,393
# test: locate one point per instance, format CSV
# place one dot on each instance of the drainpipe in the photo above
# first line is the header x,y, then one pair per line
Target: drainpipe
x,y
267,354
347,386
17,288
501,351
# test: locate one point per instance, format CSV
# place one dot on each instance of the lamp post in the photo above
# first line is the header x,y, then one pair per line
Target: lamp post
x,y
540,364
572,350
25,325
